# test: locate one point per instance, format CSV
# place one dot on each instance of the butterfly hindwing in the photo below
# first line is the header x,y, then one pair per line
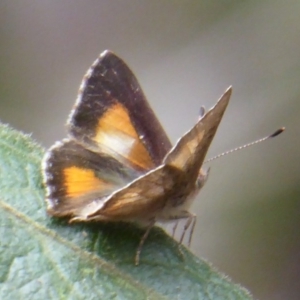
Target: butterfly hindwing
x,y
75,176
112,115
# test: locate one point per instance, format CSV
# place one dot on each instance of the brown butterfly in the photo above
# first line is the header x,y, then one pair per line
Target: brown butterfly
x,y
118,163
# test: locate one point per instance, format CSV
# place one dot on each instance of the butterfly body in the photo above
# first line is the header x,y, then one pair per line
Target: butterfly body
x,y
118,163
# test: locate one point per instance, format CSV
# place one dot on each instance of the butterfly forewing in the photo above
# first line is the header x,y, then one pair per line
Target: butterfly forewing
x,y
190,151
112,115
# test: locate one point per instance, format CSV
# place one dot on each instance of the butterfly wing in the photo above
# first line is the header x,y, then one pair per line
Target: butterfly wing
x,y
75,176
189,152
112,115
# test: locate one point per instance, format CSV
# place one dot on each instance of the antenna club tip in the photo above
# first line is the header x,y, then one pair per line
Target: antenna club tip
x,y
277,132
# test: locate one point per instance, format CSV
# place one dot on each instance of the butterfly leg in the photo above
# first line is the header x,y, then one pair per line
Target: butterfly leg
x,y
142,241
191,221
174,228
192,230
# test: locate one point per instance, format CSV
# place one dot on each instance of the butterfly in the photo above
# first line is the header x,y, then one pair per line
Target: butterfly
x,y
117,163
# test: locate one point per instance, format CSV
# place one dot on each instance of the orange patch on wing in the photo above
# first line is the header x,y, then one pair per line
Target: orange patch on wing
x,y
79,182
116,132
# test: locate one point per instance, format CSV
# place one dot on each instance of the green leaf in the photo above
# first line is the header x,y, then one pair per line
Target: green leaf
x,y
46,258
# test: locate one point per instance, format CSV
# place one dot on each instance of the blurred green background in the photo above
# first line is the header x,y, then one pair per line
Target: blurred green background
x,y
185,54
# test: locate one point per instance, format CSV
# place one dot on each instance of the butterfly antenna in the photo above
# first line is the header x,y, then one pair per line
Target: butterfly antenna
x,y
277,132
